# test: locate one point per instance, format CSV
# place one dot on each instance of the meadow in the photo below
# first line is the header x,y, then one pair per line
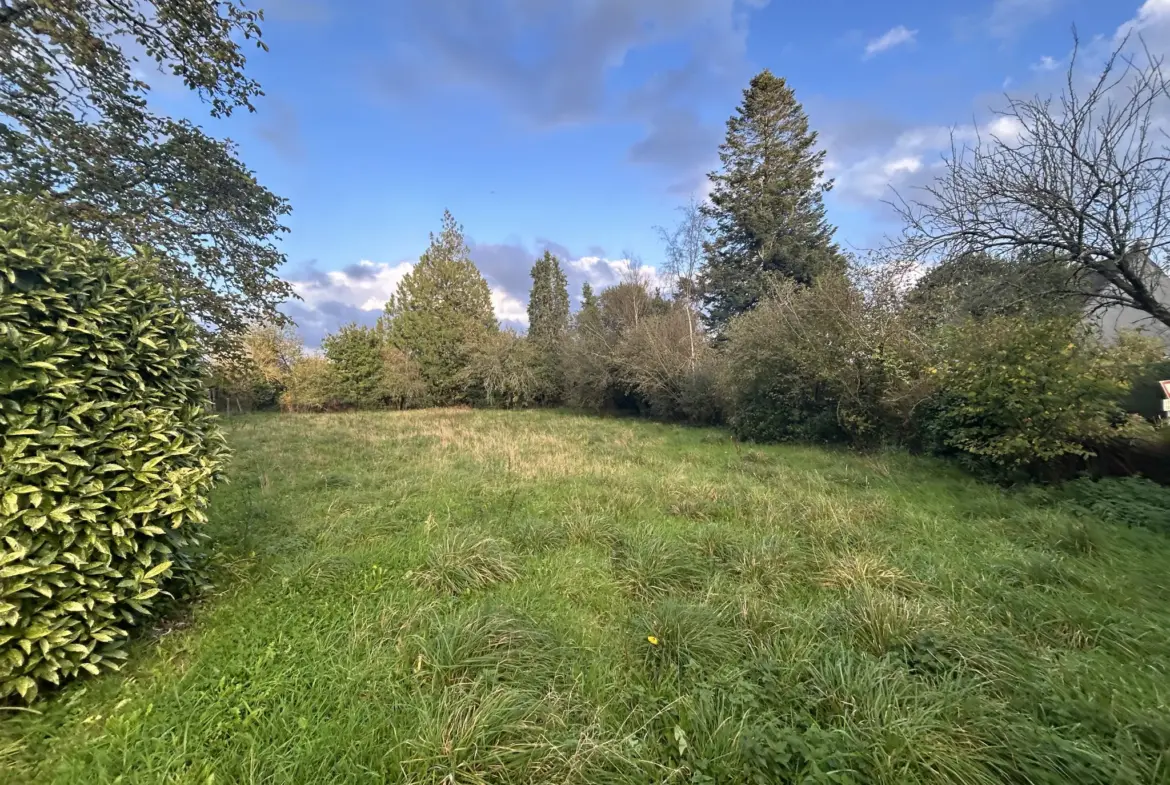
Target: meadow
x,y
456,596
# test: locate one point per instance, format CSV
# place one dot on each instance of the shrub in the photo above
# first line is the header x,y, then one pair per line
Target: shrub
x,y
1018,394
503,370
311,386
255,377
108,451
663,362
1128,501
841,360
355,352
403,386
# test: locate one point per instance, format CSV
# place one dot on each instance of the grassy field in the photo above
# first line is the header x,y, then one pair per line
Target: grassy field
x,y
488,597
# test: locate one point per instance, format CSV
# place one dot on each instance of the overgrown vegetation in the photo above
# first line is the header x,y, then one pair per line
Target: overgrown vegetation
x,y
107,451
532,597
992,359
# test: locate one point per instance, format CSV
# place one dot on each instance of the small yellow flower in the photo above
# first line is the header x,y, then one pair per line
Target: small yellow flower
x,y
652,639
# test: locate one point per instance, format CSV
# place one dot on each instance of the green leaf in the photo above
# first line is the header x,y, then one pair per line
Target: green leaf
x,y
157,570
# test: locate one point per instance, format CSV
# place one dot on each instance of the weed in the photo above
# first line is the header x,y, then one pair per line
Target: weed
x,y
461,562
648,566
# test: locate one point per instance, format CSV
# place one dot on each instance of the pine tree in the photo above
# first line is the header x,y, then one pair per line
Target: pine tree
x,y
548,323
441,310
766,203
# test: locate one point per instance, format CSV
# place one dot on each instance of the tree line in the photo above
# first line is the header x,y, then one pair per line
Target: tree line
x,y
760,322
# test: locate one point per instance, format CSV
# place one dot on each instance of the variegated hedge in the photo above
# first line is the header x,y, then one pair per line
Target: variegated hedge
x,y
107,450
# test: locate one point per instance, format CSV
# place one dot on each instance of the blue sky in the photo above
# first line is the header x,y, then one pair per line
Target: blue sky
x,y
580,125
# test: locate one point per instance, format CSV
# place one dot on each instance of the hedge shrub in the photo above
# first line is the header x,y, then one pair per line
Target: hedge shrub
x,y
107,451
311,386
1017,393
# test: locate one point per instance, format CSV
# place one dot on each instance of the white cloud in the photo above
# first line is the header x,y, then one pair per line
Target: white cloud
x,y
870,177
913,155
366,285
896,36
360,291
1046,64
508,308
606,272
1005,128
1151,13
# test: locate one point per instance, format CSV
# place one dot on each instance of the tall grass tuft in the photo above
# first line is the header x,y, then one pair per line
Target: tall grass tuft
x,y
462,562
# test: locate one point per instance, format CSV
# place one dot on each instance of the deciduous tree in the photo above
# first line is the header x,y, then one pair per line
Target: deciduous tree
x,y
76,128
1082,180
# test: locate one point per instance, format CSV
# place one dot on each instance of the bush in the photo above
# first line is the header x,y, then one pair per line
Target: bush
x,y
1128,501
255,378
403,386
356,356
109,450
503,370
663,361
1018,394
841,360
311,386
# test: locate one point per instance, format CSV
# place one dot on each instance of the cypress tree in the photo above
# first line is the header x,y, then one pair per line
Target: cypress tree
x,y
440,312
548,323
766,203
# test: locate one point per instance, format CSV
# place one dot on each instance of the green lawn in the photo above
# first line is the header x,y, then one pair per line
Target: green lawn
x,y
492,597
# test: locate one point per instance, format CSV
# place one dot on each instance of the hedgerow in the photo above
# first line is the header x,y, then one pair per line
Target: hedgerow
x,y
107,450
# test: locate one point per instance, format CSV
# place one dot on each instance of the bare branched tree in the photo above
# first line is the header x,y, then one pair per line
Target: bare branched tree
x,y
1082,179
684,245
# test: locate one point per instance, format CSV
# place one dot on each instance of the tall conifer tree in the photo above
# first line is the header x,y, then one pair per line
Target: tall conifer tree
x,y
441,311
767,203
548,323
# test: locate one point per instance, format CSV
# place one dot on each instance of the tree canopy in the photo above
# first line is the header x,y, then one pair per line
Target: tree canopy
x,y
76,127
548,324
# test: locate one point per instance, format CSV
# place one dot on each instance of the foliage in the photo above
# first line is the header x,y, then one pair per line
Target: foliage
x,y
75,126
442,308
254,378
311,386
108,451
1019,393
1080,182
548,324
659,360
978,286
1126,501
766,203
390,550
587,350
403,386
504,370
355,352
841,360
